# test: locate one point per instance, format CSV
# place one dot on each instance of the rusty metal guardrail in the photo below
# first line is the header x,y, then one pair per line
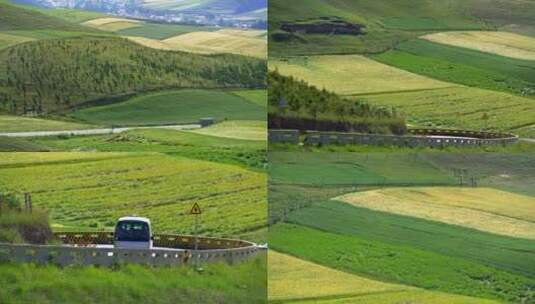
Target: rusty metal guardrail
x,y
88,248
418,137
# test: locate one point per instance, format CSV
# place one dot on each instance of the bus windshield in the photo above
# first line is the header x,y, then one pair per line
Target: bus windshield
x,y
132,231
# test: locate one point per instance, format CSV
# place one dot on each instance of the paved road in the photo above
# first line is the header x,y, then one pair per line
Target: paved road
x,y
528,139
95,131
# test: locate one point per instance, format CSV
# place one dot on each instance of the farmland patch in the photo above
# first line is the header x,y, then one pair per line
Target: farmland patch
x,y
465,108
244,129
484,209
389,262
354,74
92,193
499,43
291,278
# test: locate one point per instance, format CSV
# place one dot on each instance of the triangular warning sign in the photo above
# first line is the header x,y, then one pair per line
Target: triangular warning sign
x,y
195,209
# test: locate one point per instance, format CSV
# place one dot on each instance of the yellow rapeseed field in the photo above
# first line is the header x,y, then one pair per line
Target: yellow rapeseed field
x,y
352,74
298,281
499,43
484,209
293,278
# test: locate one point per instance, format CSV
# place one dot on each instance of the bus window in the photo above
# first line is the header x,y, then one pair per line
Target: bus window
x,y
132,231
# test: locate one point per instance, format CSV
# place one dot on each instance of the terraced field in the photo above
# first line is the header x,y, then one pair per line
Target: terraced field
x,y
354,74
299,281
499,43
91,190
171,107
483,209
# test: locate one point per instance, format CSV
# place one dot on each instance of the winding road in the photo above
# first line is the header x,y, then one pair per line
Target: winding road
x,y
95,131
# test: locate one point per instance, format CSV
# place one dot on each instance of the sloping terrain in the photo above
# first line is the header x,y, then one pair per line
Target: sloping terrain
x,y
173,107
500,43
95,68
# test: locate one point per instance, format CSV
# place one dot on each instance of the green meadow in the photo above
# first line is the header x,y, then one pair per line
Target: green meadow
x,y
173,107
219,283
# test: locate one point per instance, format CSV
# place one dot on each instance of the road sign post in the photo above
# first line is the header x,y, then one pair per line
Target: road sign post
x,y
196,211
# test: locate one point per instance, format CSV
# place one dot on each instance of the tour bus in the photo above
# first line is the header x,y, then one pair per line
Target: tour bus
x,y
133,232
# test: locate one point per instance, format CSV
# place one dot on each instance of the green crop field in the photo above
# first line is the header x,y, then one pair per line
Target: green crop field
x,y
92,190
239,129
465,108
257,96
10,123
400,264
247,153
171,107
505,171
9,144
463,66
484,209
353,74
27,283
501,252
325,168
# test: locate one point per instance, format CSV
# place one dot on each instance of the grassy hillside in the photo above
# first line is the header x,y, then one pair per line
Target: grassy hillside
x,y
169,107
294,104
221,283
162,30
300,281
18,18
84,192
393,263
31,76
11,123
388,23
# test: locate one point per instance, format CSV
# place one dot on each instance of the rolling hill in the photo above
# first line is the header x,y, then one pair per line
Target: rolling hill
x,y
388,23
54,76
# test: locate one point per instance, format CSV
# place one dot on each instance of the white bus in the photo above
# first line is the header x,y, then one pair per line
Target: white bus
x,y
132,232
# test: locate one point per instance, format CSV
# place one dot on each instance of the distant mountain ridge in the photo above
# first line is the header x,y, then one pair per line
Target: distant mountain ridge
x,y
220,12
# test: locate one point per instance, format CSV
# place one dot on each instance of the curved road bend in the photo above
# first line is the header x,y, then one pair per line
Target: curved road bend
x,y
96,131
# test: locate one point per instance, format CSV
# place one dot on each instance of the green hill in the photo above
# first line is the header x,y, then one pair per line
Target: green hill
x,y
58,75
14,17
388,22
171,107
